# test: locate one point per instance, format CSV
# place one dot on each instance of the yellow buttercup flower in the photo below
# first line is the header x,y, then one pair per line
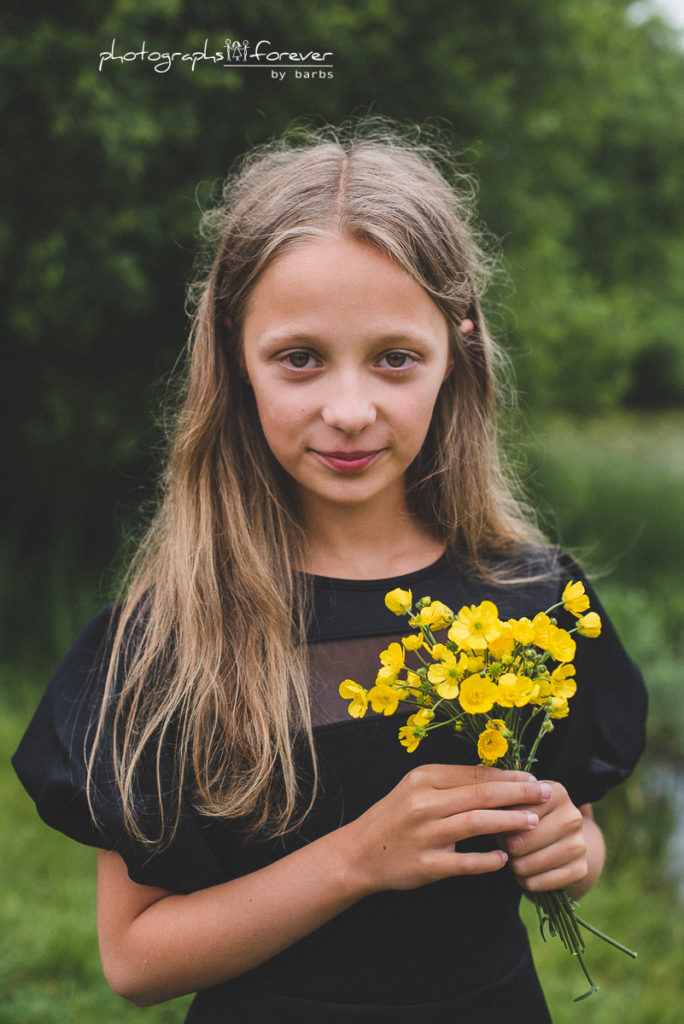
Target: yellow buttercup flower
x,y
413,680
562,681
384,699
574,599
435,616
506,689
504,643
559,707
421,718
589,625
413,732
445,676
351,691
541,692
523,630
413,642
542,625
440,615
403,689
392,663
560,644
399,601
477,694
499,725
514,691
402,692
408,738
476,626
491,745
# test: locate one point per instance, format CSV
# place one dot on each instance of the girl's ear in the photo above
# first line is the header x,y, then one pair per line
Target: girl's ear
x,y
466,327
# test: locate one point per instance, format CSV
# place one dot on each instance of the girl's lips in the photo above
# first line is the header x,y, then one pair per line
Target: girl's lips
x,y
348,462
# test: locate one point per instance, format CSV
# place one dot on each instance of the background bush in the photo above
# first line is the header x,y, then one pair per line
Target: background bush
x,y
571,115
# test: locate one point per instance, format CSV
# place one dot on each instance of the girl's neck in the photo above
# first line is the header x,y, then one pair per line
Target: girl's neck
x,y
357,544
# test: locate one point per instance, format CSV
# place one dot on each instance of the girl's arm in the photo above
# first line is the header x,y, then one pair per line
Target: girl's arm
x,y
566,850
156,945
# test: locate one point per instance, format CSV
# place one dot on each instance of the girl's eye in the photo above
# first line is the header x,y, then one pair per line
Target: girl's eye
x,y
397,360
298,361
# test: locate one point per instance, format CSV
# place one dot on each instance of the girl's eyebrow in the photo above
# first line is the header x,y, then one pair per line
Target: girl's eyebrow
x,y
273,339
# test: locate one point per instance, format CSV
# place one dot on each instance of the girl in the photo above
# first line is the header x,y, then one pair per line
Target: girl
x,y
335,441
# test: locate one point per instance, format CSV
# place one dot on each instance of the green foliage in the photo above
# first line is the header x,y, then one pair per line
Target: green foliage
x,y
595,481
613,490
570,114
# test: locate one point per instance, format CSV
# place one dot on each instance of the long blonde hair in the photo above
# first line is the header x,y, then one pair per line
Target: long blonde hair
x,y
209,656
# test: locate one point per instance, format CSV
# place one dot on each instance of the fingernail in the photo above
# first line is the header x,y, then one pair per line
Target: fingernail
x,y
504,856
545,791
532,819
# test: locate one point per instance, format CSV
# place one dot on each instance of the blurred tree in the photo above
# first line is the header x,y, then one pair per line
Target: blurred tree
x,y
570,114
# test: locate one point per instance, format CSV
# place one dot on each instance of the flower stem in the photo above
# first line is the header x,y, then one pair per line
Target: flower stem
x,y
557,910
606,938
533,751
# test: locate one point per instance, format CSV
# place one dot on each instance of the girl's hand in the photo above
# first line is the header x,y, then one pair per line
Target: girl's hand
x,y
564,851
156,944
407,839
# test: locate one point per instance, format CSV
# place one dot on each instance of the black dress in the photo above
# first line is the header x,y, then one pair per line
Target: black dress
x,y
451,951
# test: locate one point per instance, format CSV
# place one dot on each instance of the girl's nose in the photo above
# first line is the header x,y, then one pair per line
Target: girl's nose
x,y
348,408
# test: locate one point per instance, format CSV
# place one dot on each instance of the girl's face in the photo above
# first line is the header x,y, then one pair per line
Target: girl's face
x,y
346,354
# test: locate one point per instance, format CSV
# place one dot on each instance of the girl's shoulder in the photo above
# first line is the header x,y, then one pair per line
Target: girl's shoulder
x,y
77,686
84,666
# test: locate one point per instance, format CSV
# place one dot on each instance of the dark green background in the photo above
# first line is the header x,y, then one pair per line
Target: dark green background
x,y
570,115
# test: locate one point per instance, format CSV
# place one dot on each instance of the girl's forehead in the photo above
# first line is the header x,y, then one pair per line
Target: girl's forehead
x,y
339,280
333,263
341,252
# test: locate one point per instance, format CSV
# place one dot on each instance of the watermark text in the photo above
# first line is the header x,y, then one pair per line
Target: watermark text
x,y
235,54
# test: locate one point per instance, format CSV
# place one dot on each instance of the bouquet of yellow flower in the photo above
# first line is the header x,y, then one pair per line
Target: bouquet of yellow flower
x,y
494,682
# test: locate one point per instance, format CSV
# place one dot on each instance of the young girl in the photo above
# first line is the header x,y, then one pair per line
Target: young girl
x,y
335,441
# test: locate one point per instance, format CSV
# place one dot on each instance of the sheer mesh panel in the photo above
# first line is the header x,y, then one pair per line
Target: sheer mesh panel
x,y
332,661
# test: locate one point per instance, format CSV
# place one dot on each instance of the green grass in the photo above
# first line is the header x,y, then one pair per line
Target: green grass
x,y
616,488
642,914
613,488
613,491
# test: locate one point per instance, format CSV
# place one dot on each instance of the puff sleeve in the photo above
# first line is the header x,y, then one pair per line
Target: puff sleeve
x,y
51,762
602,739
